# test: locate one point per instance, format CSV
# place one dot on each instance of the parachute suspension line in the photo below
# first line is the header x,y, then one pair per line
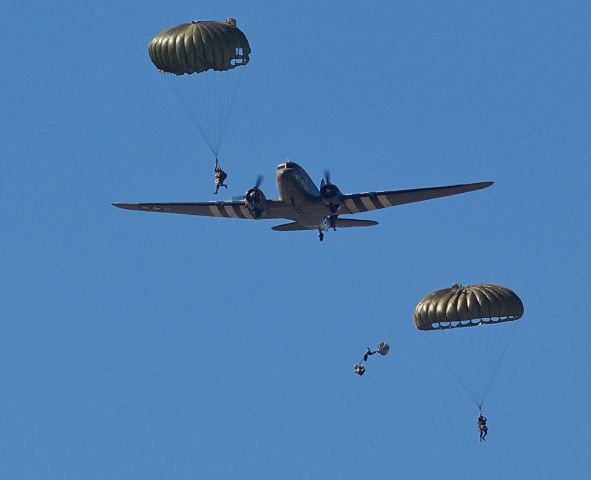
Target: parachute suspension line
x,y
208,100
491,357
473,355
228,94
211,106
175,86
503,345
449,362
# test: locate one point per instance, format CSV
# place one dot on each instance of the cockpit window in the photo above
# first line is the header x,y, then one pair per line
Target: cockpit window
x,y
282,166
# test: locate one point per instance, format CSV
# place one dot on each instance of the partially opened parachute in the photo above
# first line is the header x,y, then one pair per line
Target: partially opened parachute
x,y
473,355
383,348
467,307
205,61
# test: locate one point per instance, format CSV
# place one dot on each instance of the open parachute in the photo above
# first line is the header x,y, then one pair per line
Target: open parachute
x,y
473,355
199,46
467,307
203,57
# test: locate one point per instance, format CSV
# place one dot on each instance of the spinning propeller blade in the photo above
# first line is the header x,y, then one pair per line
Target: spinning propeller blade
x,y
257,184
258,181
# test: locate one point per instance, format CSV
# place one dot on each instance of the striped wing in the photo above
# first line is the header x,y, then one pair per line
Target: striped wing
x,y
237,209
364,202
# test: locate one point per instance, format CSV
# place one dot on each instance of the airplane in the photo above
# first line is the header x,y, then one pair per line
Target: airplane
x,y
301,201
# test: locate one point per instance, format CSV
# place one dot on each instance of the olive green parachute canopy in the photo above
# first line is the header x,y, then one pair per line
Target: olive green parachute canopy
x,y
467,306
199,46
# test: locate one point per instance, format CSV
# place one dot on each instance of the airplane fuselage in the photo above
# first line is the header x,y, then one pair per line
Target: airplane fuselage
x,y
296,188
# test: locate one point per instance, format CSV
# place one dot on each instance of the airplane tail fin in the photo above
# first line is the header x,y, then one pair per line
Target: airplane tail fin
x,y
336,223
290,227
352,223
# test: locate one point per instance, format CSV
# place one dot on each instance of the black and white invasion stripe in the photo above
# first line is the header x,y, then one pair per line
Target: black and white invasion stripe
x,y
230,210
364,202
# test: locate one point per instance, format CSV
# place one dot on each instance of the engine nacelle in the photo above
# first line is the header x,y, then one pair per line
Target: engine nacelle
x,y
255,201
331,196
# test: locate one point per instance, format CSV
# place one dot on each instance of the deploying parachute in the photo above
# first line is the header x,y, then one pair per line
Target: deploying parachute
x,y
383,348
473,355
203,56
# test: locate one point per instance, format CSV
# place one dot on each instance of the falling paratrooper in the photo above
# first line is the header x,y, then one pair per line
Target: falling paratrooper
x,y
382,348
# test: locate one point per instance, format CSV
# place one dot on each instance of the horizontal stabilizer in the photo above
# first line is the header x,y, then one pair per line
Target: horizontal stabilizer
x,y
351,223
290,227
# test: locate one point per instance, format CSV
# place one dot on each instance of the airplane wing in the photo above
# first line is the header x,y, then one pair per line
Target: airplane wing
x,y
364,202
233,209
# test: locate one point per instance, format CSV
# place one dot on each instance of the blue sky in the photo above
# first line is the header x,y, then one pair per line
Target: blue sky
x,y
155,346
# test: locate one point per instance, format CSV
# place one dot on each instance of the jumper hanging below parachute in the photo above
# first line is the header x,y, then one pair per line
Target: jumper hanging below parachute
x,y
472,355
482,427
220,177
203,58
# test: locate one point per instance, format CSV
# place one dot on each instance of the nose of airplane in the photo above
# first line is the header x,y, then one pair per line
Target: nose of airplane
x,y
284,169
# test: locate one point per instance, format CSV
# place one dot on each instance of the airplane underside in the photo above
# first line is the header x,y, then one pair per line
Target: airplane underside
x,y
303,204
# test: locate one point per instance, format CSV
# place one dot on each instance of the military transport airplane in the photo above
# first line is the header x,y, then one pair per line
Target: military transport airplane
x,y
301,201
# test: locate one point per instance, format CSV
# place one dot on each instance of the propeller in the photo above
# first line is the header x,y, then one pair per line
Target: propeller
x,y
326,186
255,193
330,193
255,198
257,184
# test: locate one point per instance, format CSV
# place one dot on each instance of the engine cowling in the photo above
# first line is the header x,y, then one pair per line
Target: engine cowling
x,y
255,201
331,196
